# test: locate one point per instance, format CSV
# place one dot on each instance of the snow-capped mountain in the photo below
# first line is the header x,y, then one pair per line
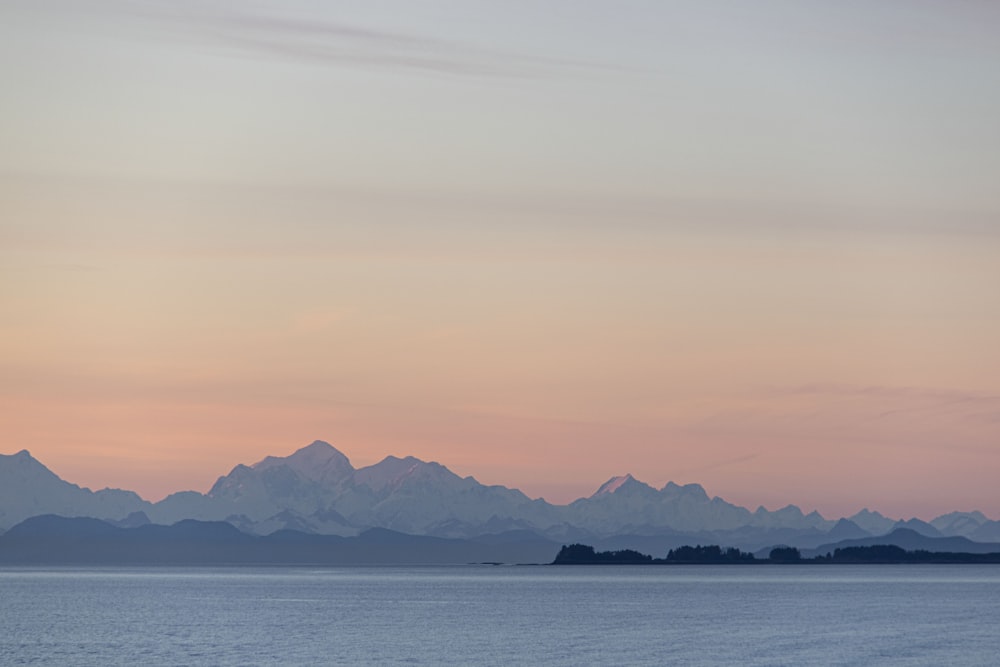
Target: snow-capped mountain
x,y
317,490
28,488
624,504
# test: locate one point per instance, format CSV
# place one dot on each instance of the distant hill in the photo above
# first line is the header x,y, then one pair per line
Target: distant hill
x,y
918,526
986,532
51,539
911,540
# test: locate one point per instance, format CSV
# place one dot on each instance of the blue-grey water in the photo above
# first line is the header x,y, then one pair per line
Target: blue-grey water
x,y
480,615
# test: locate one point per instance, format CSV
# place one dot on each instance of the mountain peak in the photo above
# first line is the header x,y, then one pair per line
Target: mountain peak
x,y
389,470
622,484
846,529
613,485
396,461
321,445
23,455
28,488
317,461
872,522
674,490
317,451
23,460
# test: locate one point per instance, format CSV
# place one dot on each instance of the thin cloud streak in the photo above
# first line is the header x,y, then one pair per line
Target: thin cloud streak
x,y
715,465
635,214
932,393
320,41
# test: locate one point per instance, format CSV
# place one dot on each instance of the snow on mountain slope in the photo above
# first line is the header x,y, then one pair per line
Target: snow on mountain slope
x,y
318,462
28,488
316,489
625,504
387,472
613,485
418,496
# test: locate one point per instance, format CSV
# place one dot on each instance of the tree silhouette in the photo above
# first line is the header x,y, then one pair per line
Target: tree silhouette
x,y
582,554
785,555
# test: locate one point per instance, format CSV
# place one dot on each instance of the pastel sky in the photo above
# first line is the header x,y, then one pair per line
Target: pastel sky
x,y
753,245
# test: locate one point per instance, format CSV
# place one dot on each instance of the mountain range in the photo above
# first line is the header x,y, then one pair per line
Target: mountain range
x,y
317,491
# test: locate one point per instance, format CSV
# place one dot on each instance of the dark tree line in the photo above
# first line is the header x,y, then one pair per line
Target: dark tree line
x,y
712,553
582,554
575,554
889,553
785,555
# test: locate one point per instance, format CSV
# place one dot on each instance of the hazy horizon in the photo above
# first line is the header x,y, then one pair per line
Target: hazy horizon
x,y
753,247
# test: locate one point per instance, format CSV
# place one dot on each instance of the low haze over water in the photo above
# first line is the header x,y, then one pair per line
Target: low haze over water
x,y
757,615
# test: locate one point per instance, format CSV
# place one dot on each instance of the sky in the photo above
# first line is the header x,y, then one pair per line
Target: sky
x,y
754,245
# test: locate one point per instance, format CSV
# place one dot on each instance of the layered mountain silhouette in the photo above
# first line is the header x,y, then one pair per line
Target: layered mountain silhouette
x,y
912,540
316,491
50,539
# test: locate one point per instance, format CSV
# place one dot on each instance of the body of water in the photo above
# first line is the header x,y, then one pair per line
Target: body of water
x,y
480,615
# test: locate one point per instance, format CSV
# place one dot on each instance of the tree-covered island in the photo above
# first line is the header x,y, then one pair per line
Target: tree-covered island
x,y
582,554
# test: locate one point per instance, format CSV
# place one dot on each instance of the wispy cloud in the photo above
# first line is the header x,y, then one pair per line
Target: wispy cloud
x,y
937,394
880,403
694,471
274,31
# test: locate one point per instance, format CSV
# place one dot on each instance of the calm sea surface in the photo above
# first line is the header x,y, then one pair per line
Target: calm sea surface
x,y
480,615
